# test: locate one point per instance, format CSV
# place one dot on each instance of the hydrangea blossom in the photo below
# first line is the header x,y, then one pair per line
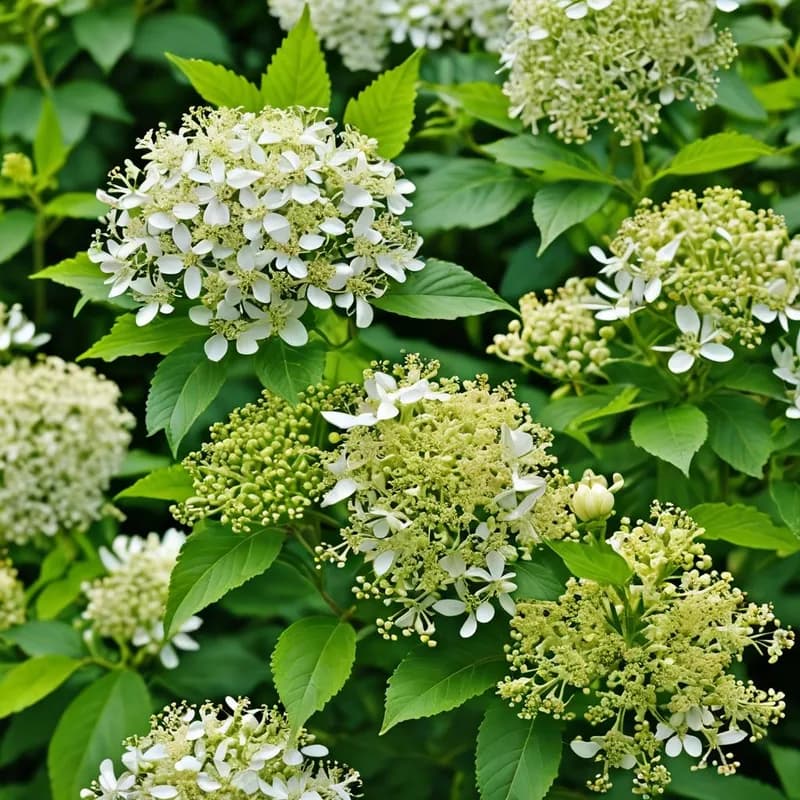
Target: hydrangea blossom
x,y
127,605
17,332
229,752
12,596
448,483
578,64
62,438
249,219
652,657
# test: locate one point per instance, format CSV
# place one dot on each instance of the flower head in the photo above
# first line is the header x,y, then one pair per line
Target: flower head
x,y
12,596
578,64
127,605
62,438
17,332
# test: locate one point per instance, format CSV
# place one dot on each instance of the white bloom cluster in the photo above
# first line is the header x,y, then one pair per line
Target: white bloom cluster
x,y
62,438
253,217
787,361
128,604
229,753
12,596
17,332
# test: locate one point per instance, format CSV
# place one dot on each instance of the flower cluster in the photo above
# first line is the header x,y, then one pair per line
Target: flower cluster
x,y
448,482
581,63
260,467
361,31
232,752
17,332
128,604
252,217
557,336
62,438
12,596
653,657
787,361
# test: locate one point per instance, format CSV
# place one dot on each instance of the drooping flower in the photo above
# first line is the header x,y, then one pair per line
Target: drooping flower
x,y
12,596
229,752
17,332
127,605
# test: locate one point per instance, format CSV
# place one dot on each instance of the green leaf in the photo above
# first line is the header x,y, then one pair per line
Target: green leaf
x,y
162,335
105,33
736,97
139,462
782,95
56,596
429,681
49,151
76,205
517,759
673,434
786,762
705,784
30,681
595,562
739,432
542,578
169,483
484,101
16,230
441,290
46,637
212,561
466,193
91,97
311,663
184,385
297,75
218,85
786,497
560,206
185,35
720,151
287,371
755,31
385,109
744,526
13,60
93,728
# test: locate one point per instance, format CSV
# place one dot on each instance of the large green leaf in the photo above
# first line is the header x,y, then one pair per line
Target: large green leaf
x,y
541,578
297,75
218,85
517,759
186,35
75,205
562,205
720,151
49,151
786,497
287,371
744,526
212,561
105,33
596,562
739,432
441,290
46,637
167,483
786,761
31,680
16,230
311,663
482,100
385,109
673,434
93,728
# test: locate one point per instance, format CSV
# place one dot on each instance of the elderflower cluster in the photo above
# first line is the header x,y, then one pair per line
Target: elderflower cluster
x,y
787,368
448,483
17,332
260,467
651,660
578,64
251,218
724,270
12,596
127,605
62,438
229,752
557,335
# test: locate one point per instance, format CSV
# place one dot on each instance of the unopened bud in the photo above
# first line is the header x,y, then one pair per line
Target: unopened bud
x,y
17,167
593,499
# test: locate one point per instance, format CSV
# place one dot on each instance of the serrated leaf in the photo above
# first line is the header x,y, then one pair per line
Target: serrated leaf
x,y
744,526
212,561
105,33
595,562
218,85
311,663
385,109
93,728
49,151
46,637
517,759
297,75
169,483
739,432
31,680
76,205
720,151
673,434
16,230
442,290
287,371
558,207
482,100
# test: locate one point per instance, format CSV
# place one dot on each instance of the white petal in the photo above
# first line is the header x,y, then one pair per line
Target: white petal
x,y
680,362
294,333
146,314
716,352
584,749
163,792
663,731
692,745
484,612
687,319
364,313
469,627
383,562
449,608
730,737
343,489
345,421
193,282
318,298
216,347
185,211
673,747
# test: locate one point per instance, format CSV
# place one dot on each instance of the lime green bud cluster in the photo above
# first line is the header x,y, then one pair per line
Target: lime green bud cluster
x,y
229,752
62,438
579,64
12,596
18,168
653,657
557,336
260,466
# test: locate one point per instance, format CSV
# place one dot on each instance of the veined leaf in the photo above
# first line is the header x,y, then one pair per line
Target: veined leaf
x,y
79,273
168,483
31,680
595,562
105,33
287,371
218,85
673,434
482,100
739,432
562,205
720,151
744,526
16,230
49,151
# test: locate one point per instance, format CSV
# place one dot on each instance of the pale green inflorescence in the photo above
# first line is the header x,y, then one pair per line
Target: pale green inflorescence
x,y
260,466
557,335
12,596
229,752
448,483
578,64
127,605
253,217
17,332
653,657
62,438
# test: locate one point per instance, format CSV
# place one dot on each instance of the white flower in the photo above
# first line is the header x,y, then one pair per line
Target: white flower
x,y
111,787
17,331
697,340
498,581
612,304
590,749
768,313
678,742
